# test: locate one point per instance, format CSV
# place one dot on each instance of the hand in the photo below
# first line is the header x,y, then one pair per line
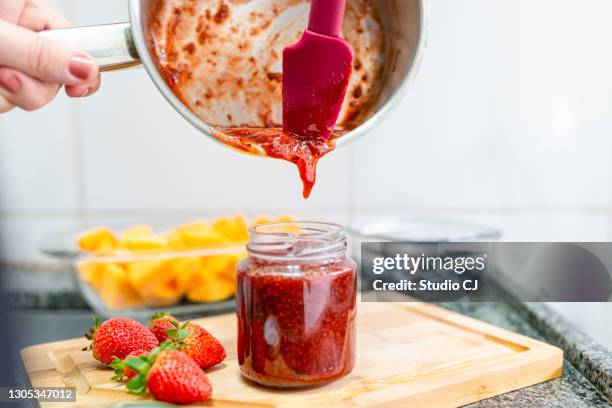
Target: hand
x,y
33,68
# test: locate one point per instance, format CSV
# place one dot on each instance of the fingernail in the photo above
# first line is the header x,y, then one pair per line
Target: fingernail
x,y
85,92
11,83
81,66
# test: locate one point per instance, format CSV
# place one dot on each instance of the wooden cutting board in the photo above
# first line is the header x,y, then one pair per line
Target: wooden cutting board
x,y
409,354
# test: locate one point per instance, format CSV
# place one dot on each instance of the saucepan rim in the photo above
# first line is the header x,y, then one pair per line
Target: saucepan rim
x,y
136,16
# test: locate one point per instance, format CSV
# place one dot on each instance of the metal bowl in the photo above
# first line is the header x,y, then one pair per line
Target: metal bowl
x,y
117,46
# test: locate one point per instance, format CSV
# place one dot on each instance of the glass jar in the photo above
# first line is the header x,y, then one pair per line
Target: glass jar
x,y
296,305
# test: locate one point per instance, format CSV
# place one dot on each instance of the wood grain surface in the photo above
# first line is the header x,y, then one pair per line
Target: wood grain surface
x,y
408,354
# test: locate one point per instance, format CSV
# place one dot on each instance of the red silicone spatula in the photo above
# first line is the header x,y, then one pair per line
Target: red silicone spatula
x,y
316,73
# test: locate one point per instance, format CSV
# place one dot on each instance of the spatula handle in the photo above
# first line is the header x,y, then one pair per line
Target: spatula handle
x,y
326,17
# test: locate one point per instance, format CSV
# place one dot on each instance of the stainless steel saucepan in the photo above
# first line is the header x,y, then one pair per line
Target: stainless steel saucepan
x,y
122,45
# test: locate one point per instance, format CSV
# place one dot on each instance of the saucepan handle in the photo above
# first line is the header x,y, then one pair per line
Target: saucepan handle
x,y
111,45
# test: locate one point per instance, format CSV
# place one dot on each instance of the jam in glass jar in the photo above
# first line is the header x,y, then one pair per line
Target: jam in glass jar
x,y
296,305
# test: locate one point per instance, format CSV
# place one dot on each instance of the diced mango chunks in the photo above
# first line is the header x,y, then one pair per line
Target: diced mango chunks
x,y
211,288
160,281
235,229
143,242
144,274
261,220
185,269
157,282
116,291
91,273
231,272
197,234
141,238
97,239
136,230
264,219
217,264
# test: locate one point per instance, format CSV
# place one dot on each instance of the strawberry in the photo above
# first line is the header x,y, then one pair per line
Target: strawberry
x,y
159,323
118,337
121,370
197,343
170,376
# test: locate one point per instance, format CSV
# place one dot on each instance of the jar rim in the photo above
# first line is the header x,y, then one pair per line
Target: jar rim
x,y
316,229
308,241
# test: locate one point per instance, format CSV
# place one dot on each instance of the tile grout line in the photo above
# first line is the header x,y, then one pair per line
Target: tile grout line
x,y
587,210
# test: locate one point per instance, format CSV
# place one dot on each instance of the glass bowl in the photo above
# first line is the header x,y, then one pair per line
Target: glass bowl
x,y
134,281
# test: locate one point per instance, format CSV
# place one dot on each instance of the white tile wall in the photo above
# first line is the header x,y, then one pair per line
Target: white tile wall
x,y
512,109
38,164
99,12
509,123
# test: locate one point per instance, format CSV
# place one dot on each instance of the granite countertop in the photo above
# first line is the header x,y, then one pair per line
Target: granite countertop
x,y
576,388
586,381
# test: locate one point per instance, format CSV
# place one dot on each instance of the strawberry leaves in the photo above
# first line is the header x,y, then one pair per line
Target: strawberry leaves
x,y
137,385
141,366
118,367
178,334
158,315
90,333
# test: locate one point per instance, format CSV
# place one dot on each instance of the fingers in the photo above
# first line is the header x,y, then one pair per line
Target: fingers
x,y
79,91
34,15
33,68
5,105
53,18
34,18
44,59
24,91
18,89
11,10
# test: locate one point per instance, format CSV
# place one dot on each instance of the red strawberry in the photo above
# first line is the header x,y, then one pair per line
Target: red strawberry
x,y
197,343
159,323
170,376
118,337
121,370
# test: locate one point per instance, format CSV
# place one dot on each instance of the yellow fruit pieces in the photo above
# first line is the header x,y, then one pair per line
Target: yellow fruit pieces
x,y
211,289
197,234
235,229
264,219
115,289
98,239
141,238
154,278
91,273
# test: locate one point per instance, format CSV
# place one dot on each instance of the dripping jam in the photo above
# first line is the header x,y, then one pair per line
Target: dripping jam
x,y
222,59
305,153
